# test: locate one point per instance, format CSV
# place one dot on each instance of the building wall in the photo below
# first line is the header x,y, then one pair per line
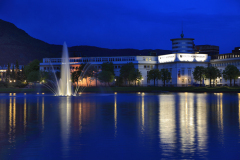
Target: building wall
x,y
146,63
181,73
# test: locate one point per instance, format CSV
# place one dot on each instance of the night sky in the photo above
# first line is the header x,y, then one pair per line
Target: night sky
x,y
138,24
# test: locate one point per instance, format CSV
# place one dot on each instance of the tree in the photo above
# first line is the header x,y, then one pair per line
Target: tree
x,y
125,71
165,75
212,73
74,77
108,67
22,75
96,73
135,75
8,72
17,71
153,75
198,74
106,76
31,67
13,73
231,72
33,76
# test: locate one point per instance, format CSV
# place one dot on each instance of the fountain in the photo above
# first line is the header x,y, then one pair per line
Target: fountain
x,y
63,87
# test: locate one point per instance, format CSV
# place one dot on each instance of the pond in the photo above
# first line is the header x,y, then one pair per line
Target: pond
x,y
120,126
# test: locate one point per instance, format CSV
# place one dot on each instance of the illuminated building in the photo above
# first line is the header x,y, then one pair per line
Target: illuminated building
x,y
3,71
222,60
180,63
182,45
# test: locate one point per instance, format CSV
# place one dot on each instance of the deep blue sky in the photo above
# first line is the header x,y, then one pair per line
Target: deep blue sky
x,y
139,24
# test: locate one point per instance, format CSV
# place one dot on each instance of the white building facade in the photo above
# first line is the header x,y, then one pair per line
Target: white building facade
x,y
180,64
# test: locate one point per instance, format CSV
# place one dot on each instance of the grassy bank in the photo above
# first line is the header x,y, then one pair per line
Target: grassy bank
x,y
23,90
132,89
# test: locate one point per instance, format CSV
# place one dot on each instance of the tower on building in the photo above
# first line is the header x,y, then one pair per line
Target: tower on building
x,y
182,45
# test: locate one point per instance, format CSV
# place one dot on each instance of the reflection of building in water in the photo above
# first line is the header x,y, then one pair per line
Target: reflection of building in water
x,y
142,113
201,121
25,114
12,119
239,109
115,115
220,111
167,121
187,124
83,113
42,113
3,115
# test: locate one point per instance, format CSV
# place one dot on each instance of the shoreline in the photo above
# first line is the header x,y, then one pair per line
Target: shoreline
x,y
132,90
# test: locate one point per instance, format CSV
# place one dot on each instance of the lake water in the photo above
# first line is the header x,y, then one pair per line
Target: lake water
x,y
120,126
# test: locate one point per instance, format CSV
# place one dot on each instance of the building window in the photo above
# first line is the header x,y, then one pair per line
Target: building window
x,y
145,66
189,73
144,59
182,80
150,59
182,72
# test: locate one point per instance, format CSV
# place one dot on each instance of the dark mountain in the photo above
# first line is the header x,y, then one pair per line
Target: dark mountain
x,y
16,44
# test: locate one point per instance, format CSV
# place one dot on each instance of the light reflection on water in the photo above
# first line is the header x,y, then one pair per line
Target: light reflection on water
x,y
129,126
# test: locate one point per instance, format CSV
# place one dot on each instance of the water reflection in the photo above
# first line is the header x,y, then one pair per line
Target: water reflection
x,y
65,118
201,122
25,114
115,115
239,109
220,111
166,124
3,116
42,113
142,113
187,124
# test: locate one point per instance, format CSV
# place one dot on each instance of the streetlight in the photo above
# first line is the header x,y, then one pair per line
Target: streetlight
x,y
142,81
239,80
